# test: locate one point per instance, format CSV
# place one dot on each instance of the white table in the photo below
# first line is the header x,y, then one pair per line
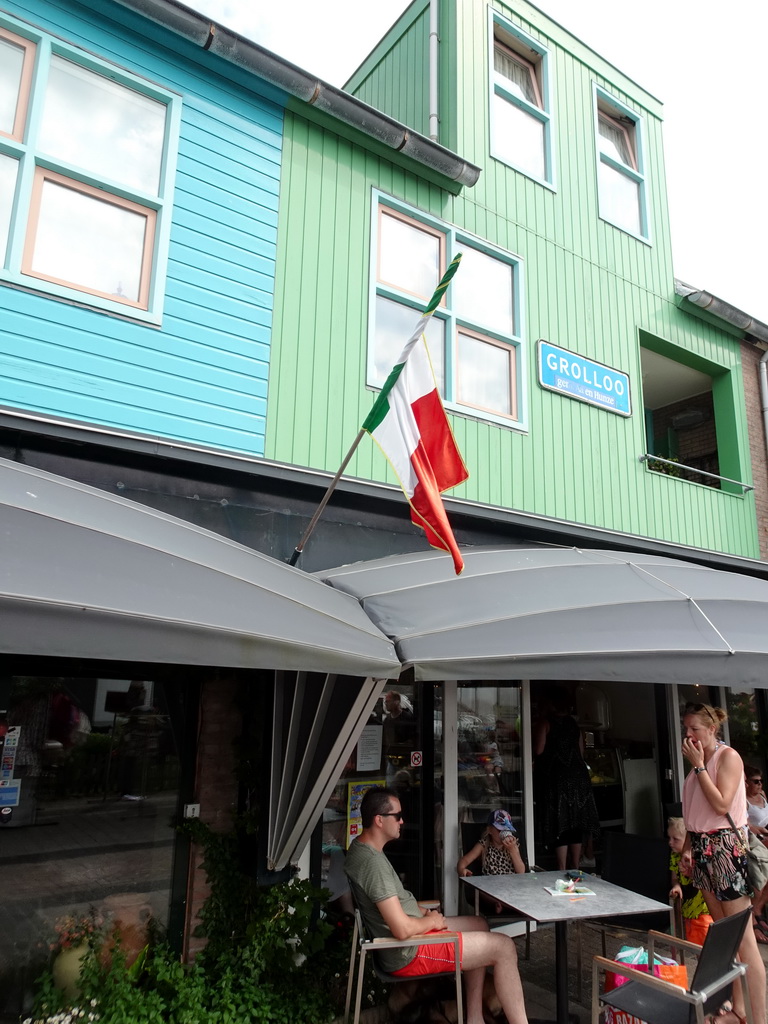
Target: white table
x,y
526,894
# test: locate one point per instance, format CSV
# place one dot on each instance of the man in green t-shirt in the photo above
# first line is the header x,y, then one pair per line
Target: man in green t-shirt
x,y
390,911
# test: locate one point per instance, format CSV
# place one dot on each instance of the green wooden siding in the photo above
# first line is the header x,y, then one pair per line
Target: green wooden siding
x,y
577,462
588,287
393,77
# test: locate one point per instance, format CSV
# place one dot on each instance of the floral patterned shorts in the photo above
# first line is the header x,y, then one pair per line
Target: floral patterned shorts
x,y
720,864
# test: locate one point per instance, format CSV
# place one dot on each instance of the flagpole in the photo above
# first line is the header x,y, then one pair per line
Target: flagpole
x,y
434,302
326,498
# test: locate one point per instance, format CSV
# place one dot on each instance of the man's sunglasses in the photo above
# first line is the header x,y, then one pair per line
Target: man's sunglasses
x,y
756,782
393,814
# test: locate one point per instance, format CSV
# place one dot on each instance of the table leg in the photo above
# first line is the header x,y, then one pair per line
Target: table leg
x,y
561,970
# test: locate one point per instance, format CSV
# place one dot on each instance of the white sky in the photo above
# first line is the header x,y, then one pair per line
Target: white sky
x,y
704,60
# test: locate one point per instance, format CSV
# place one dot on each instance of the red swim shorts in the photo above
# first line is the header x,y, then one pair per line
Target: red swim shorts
x,y
431,958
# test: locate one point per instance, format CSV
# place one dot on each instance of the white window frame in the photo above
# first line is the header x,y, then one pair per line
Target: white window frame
x,y
455,239
530,52
614,110
31,164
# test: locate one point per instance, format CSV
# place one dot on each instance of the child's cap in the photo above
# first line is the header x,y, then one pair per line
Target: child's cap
x,y
501,820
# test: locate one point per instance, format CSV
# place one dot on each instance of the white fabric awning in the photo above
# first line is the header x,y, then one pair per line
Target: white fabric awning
x,y
565,613
88,574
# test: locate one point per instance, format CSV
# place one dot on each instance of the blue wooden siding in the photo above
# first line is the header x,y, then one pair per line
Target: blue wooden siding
x,y
201,377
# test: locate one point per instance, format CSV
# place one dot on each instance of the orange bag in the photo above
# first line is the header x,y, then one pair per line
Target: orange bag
x,y
675,973
696,928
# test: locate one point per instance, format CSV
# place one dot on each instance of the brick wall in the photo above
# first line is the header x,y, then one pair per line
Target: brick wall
x,y
215,788
696,446
750,358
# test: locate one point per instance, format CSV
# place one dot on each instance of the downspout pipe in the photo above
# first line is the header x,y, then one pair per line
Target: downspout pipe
x,y
763,369
256,60
434,70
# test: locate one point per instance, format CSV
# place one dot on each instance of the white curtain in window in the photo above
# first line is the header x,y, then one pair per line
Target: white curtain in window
x,y
614,142
517,73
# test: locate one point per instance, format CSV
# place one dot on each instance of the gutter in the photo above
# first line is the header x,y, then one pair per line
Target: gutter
x,y
732,315
245,54
724,310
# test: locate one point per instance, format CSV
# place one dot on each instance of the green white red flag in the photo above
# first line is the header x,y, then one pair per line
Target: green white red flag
x,y
409,424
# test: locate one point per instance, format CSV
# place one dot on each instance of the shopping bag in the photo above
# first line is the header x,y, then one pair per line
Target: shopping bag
x,y
636,959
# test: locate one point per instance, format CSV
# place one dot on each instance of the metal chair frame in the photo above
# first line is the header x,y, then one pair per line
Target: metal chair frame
x,y
364,945
697,998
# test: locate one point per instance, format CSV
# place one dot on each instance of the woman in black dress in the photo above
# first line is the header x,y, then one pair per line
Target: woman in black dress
x,y
565,804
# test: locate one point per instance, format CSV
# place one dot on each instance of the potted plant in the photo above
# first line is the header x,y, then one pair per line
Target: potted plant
x,y
75,935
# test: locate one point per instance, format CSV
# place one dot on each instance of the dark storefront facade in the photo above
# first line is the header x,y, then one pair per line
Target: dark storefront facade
x,y
462,749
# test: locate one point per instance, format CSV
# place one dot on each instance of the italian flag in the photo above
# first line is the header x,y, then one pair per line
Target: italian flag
x,y
409,424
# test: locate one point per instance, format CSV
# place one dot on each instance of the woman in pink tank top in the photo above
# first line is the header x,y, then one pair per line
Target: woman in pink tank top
x,y
713,790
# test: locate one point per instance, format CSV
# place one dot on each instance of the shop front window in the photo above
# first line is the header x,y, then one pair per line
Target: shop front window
x,y
389,753
744,731
89,790
489,762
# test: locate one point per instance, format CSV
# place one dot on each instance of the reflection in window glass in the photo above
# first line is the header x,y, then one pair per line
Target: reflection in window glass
x,y
619,198
98,766
482,292
394,325
382,756
485,379
89,243
8,171
409,258
11,64
489,759
744,732
518,137
95,123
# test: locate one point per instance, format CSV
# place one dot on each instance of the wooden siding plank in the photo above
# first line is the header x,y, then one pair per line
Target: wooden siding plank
x,y
202,377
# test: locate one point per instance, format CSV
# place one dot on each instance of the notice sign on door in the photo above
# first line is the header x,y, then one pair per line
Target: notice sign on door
x,y
583,379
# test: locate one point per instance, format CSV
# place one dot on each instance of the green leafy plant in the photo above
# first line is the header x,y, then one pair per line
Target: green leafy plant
x,y
656,466
271,958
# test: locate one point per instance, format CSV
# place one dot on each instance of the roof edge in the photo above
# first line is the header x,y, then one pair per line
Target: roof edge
x,y
723,310
282,74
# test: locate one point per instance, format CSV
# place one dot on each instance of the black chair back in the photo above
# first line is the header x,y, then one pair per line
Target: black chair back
x,y
718,954
640,864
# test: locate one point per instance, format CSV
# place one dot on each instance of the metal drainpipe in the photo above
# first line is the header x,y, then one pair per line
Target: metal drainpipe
x,y
434,52
764,394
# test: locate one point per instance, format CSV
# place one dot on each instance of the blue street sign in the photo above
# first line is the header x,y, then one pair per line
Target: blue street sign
x,y
583,379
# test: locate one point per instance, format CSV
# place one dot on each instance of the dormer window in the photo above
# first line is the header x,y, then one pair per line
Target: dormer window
x,y
617,139
520,118
620,178
519,73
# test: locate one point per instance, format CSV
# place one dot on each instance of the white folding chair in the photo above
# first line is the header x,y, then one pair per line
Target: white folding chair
x,y
362,945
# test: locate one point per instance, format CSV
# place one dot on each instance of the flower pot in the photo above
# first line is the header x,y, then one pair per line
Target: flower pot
x,y
66,969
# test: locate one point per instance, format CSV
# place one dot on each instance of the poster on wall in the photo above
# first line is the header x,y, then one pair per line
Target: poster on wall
x,y
369,749
10,788
355,793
